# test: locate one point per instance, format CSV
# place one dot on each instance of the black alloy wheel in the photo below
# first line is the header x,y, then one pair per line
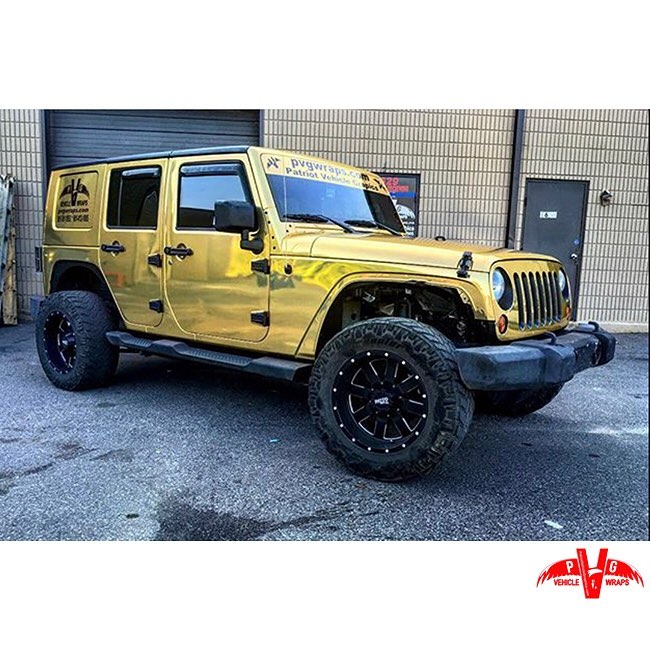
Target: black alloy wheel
x,y
380,401
60,342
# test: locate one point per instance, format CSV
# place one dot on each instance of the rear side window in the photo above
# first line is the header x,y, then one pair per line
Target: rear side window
x,y
133,197
201,186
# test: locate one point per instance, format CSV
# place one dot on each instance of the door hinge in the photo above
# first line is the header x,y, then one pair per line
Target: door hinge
x,y
263,266
155,260
260,318
156,305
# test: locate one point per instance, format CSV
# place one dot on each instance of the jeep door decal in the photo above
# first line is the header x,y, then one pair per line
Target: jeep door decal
x,y
75,201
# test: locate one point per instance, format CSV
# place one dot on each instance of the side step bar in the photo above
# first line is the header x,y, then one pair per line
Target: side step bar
x,y
265,366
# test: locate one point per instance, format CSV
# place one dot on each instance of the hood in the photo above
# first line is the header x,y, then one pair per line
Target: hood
x,y
379,247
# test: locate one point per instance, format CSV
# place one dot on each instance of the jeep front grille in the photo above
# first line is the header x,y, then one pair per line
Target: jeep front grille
x,y
538,299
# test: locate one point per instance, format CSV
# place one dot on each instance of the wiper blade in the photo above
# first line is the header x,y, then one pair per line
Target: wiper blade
x,y
318,218
373,224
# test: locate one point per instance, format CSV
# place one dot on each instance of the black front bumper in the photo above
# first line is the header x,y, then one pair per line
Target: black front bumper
x,y
537,362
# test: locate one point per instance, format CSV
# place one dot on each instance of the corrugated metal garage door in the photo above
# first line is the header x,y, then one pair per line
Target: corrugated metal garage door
x,y
88,135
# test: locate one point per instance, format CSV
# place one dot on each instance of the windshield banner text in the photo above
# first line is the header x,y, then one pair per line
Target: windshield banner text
x,y
297,167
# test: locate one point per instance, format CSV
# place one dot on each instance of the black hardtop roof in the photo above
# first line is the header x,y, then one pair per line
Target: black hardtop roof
x,y
157,154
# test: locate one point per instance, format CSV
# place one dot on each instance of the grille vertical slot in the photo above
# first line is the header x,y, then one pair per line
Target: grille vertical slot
x,y
547,298
555,291
535,296
542,298
519,295
528,301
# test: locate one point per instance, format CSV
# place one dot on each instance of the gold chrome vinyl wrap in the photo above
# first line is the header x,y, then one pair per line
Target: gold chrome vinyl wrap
x,y
211,296
536,302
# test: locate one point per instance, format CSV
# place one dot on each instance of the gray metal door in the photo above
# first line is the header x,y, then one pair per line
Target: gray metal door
x,y
554,216
74,136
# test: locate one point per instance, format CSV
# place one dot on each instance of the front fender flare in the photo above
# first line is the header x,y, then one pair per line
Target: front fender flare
x,y
470,293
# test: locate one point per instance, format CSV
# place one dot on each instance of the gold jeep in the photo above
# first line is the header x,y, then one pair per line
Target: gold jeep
x,y
298,268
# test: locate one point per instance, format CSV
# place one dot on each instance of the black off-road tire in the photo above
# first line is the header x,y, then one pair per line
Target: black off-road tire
x,y
516,403
85,318
447,403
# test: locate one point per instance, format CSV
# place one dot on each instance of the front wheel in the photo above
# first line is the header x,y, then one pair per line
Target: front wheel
x,y
387,399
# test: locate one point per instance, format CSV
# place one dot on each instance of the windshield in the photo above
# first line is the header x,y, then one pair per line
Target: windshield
x,y
307,190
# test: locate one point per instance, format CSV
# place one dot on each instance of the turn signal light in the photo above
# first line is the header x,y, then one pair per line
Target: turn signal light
x,y
568,311
502,324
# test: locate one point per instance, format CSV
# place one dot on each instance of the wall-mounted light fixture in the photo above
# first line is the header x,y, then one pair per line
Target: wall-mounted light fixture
x,y
606,197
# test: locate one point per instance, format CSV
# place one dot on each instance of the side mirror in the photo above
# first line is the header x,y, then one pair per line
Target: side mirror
x,y
238,216
234,216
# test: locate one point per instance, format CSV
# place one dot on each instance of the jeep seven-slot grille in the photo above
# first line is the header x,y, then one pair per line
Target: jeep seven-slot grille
x,y
538,299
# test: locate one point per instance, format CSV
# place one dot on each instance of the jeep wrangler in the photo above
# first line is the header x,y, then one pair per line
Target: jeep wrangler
x,y
297,268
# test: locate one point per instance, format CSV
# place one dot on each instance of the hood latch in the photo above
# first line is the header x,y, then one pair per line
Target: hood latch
x,y
465,265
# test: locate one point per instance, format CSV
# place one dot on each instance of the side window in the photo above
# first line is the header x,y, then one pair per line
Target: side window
x,y
203,185
133,196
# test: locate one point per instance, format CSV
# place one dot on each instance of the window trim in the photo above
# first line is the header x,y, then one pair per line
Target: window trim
x,y
155,172
237,167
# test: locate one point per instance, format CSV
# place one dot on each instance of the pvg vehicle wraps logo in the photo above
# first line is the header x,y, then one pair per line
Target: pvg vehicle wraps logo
x,y
75,202
73,189
576,571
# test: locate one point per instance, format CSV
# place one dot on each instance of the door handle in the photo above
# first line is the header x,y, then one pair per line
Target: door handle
x,y
115,247
181,251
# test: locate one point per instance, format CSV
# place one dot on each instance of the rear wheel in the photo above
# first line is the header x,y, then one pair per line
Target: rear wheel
x,y
387,399
515,403
71,340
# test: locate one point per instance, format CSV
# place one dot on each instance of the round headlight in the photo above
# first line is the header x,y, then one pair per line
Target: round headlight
x,y
498,284
564,283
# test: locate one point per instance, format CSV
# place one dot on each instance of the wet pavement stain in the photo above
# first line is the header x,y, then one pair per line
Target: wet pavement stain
x,y
35,470
70,450
123,455
25,472
183,522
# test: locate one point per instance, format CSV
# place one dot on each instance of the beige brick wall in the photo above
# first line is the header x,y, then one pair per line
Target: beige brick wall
x,y
608,148
463,157
20,156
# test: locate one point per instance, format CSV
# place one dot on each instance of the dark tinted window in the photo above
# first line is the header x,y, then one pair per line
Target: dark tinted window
x,y
201,186
133,196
